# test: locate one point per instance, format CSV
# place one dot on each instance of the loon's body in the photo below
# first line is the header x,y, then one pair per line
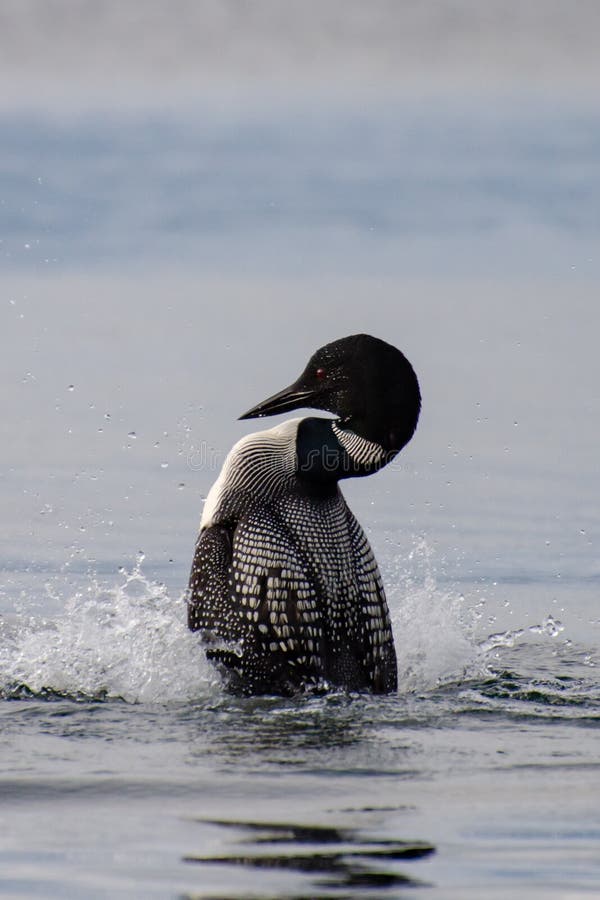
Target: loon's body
x,y
284,585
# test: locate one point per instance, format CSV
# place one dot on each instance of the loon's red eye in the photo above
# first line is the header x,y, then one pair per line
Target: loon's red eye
x,y
320,373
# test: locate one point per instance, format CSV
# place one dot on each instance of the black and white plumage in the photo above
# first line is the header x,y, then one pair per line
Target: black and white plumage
x,y
284,585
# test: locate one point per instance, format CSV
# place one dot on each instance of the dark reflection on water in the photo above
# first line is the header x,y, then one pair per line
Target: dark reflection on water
x,y
334,858
338,733
19,691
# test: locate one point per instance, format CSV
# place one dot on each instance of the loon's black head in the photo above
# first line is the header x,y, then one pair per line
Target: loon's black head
x,y
368,383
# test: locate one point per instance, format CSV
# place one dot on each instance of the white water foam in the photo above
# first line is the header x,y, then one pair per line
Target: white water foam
x,y
436,628
433,627
130,642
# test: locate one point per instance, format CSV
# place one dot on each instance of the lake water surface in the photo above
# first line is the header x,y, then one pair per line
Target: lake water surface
x,y
164,271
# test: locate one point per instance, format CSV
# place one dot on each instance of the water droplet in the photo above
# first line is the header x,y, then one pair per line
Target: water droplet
x,y
107,415
164,465
181,485
71,387
101,430
132,435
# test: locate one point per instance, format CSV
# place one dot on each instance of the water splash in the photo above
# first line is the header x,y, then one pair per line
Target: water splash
x,y
433,627
436,628
550,627
129,642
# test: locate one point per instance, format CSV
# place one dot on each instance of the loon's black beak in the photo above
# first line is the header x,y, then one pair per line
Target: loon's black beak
x,y
292,397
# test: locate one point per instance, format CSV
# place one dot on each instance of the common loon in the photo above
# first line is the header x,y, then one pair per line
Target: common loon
x,y
284,585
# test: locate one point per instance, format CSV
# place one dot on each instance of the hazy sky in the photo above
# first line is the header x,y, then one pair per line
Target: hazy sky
x,y
111,50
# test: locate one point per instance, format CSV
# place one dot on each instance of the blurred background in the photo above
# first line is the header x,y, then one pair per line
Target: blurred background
x,y
125,55
196,195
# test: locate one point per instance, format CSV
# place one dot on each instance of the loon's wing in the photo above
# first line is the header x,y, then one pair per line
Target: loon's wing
x,y
251,595
209,604
375,627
